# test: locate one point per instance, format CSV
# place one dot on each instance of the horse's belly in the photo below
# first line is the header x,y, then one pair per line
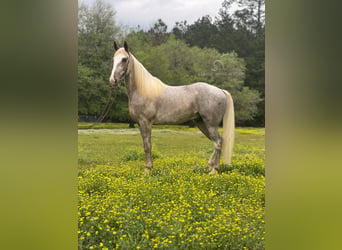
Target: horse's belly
x,y
171,119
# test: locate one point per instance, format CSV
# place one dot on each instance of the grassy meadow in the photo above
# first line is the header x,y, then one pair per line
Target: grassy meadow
x,y
179,206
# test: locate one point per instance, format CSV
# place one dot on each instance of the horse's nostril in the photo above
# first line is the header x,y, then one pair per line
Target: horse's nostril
x,y
116,82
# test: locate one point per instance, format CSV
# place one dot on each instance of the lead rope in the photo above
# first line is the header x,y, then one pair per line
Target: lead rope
x,y
104,112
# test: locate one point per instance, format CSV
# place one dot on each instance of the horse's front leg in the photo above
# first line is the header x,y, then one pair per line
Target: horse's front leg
x,y
145,130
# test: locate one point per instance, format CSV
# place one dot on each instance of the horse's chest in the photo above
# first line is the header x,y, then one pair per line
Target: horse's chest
x,y
140,108
132,111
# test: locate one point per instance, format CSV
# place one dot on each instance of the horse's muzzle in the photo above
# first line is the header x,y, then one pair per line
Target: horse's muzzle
x,y
116,82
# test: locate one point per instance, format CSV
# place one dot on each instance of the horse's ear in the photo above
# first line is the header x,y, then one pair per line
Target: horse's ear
x,y
126,46
115,46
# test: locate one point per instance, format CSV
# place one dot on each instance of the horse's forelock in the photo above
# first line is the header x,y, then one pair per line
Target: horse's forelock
x,y
121,51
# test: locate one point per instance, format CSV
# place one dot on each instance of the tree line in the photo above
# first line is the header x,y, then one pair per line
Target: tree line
x,y
227,52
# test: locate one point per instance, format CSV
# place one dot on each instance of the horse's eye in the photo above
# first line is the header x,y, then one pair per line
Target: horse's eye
x,y
124,60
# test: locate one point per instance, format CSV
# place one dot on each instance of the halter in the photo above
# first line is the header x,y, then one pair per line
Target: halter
x,y
125,71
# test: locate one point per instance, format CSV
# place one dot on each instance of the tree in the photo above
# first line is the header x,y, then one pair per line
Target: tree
x,y
92,93
180,61
96,32
245,104
180,29
245,28
249,16
252,15
201,33
158,32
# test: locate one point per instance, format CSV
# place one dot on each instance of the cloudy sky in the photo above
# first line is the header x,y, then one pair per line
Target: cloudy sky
x,y
146,12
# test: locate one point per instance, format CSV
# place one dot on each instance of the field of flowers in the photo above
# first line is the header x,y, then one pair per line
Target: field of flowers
x,y
179,206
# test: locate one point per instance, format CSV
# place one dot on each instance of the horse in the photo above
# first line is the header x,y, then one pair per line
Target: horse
x,y
151,101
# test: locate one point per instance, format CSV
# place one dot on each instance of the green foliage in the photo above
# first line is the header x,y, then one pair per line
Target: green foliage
x,y
201,33
180,29
158,32
179,206
180,61
96,32
245,103
92,91
119,111
204,63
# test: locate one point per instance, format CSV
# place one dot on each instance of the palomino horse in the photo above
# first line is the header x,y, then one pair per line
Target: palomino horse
x,y
153,102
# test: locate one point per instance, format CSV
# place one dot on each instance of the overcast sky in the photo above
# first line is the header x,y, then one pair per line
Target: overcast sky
x,y
146,12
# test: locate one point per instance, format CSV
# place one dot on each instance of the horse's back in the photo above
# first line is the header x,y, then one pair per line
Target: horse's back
x,y
195,92
203,88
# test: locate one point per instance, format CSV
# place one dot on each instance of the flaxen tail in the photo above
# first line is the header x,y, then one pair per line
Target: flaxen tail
x,y
228,130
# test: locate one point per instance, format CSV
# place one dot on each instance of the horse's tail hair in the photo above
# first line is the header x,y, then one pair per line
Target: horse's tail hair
x,y
228,130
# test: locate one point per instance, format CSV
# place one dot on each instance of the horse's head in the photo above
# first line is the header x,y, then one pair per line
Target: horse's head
x,y
120,64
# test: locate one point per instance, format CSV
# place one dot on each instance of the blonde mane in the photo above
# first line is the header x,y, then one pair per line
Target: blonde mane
x,y
147,84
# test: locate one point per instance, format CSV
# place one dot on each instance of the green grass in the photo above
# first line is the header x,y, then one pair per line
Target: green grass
x,y
179,206
105,125
108,125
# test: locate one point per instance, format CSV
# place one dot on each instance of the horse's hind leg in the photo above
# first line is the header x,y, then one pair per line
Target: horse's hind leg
x,y
145,130
214,162
213,134
200,124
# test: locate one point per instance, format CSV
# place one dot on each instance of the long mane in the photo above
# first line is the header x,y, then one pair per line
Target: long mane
x,y
146,84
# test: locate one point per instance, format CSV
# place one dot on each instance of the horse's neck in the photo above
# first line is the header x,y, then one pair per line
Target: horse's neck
x,y
144,84
129,79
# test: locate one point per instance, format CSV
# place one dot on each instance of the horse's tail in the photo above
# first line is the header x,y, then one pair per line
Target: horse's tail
x,y
228,130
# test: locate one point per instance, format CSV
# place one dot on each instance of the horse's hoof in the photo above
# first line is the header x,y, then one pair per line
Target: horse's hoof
x,y
147,171
213,172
